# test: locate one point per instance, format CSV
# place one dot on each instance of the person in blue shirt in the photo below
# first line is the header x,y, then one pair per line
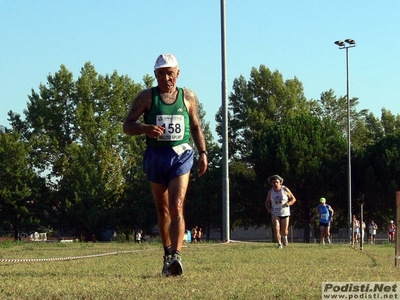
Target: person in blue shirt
x,y
325,213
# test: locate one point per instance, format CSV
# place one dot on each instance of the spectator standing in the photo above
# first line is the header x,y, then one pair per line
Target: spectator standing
x,y
391,231
372,232
356,227
199,235
363,227
194,234
139,234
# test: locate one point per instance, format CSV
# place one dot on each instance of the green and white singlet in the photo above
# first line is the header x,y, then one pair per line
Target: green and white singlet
x,y
173,117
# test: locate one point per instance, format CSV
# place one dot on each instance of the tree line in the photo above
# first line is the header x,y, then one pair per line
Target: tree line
x,y
67,167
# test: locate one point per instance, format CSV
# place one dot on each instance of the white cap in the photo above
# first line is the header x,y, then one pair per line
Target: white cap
x,y
391,221
166,61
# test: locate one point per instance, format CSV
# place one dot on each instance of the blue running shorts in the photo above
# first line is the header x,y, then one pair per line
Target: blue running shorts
x,y
163,164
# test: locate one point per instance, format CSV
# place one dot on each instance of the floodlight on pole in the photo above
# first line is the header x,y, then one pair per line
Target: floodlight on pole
x,y
340,43
348,43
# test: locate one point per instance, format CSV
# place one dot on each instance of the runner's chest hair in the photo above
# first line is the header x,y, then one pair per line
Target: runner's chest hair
x,y
168,98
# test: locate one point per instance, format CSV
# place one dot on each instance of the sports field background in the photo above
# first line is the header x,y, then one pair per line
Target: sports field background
x,y
236,270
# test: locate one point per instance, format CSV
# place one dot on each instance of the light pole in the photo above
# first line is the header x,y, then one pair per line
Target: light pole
x,y
348,43
225,155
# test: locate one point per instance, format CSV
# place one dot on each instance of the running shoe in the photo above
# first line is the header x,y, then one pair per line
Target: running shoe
x,y
167,260
175,267
280,246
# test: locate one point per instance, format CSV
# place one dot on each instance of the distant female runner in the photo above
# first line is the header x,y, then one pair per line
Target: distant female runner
x,y
279,200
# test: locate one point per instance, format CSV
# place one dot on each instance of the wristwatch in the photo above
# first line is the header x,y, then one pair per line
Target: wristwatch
x,y
203,152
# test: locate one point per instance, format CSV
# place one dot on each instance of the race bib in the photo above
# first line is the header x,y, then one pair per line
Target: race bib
x,y
181,148
277,210
325,217
174,127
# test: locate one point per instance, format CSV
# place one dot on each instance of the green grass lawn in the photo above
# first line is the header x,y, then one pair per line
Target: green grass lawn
x,y
211,270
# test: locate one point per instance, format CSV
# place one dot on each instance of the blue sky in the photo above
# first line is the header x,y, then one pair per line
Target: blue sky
x,y
294,37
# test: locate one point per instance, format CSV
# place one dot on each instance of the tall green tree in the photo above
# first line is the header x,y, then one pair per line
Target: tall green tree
x,y
257,106
135,208
377,178
390,122
16,179
335,108
244,197
203,200
267,111
74,126
257,103
309,153
365,128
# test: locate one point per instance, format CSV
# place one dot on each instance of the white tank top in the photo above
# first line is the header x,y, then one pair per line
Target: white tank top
x,y
278,200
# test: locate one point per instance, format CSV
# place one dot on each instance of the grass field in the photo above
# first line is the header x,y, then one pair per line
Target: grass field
x,y
211,270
